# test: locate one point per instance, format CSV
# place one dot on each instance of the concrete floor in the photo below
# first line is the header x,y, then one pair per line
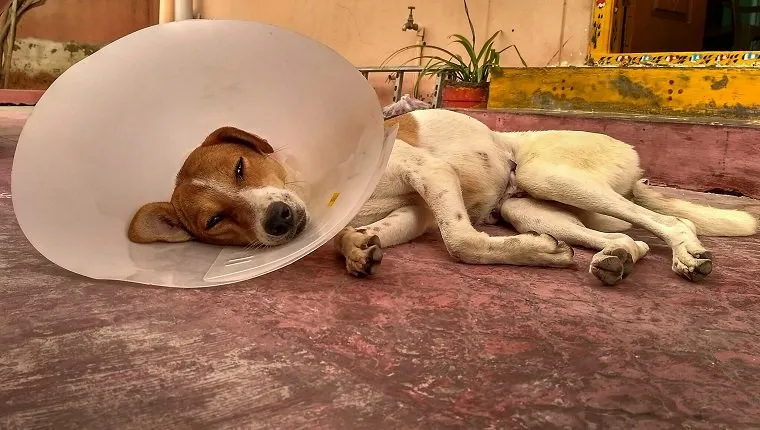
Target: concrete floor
x,y
426,344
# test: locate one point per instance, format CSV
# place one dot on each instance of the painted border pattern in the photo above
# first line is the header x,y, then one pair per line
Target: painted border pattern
x,y
682,59
603,30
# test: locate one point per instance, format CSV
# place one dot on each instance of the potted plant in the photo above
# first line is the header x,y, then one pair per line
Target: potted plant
x,y
464,80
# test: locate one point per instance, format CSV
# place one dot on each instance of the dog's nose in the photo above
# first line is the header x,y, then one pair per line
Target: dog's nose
x,y
278,219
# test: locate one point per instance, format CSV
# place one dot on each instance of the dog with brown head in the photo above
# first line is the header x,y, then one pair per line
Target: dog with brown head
x,y
230,191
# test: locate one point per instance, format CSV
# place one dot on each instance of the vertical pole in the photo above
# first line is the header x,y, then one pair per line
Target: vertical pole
x,y
399,84
183,9
197,9
438,91
165,11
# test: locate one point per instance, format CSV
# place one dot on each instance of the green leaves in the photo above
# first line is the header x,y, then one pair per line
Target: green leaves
x,y
474,68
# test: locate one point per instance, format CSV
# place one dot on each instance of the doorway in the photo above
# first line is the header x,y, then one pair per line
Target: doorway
x,y
686,26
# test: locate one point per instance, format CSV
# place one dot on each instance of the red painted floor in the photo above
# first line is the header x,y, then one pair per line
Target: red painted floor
x,y
426,344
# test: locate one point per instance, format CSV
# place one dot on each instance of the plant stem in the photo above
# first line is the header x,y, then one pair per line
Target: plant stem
x,y
5,22
469,21
11,39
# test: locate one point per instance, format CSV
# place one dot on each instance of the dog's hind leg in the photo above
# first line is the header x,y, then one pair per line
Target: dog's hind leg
x,y
576,187
438,184
362,247
617,251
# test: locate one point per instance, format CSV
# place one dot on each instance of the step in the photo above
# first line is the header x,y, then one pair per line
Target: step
x,y
691,154
729,93
20,97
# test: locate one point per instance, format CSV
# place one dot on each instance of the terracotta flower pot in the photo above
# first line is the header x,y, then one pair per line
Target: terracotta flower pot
x,y
457,94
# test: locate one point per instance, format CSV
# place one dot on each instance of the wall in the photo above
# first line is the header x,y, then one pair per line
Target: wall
x,y
54,36
38,62
87,21
547,32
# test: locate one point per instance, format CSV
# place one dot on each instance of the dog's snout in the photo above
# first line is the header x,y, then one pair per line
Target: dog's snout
x,y
278,219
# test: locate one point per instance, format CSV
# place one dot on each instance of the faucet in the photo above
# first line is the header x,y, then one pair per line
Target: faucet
x,y
410,24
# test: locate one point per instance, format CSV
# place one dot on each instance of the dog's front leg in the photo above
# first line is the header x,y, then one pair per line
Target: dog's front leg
x,y
438,184
362,247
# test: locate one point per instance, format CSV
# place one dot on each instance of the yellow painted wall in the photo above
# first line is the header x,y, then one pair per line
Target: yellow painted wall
x,y
726,93
367,31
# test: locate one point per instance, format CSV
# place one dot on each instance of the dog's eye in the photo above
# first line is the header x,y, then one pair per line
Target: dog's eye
x,y
239,169
214,220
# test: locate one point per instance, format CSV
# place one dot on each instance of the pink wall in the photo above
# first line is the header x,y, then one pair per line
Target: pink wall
x,y
547,32
87,21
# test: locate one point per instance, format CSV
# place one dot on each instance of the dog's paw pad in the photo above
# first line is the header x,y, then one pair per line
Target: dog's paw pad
x,y
365,262
607,268
624,256
696,270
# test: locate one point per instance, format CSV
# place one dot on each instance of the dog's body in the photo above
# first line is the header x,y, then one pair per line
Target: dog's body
x,y
451,172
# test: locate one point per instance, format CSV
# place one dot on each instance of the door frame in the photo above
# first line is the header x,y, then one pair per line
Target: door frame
x,y
604,31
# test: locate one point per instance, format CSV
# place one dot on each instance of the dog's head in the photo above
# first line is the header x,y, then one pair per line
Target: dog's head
x,y
229,192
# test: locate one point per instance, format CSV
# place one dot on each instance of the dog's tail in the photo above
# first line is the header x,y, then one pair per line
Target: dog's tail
x,y
708,220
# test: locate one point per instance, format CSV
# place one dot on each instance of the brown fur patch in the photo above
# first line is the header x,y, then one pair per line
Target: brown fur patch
x,y
408,128
206,187
215,164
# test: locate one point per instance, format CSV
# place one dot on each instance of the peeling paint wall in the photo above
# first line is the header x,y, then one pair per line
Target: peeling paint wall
x,y
56,35
37,62
88,21
729,94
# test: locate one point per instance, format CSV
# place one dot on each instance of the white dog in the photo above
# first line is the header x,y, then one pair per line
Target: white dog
x,y
451,172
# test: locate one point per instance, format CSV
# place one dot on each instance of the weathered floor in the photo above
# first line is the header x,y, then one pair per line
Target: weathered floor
x,y
426,344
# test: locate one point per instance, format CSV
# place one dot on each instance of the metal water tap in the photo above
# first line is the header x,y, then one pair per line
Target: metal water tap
x,y
410,24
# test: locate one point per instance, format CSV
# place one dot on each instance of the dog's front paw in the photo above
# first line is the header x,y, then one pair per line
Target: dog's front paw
x,y
361,251
551,252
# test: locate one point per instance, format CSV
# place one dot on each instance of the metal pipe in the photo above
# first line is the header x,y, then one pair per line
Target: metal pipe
x,y
399,87
366,70
198,9
183,9
165,11
421,43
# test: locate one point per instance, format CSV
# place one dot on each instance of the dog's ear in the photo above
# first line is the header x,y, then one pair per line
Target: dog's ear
x,y
157,222
235,135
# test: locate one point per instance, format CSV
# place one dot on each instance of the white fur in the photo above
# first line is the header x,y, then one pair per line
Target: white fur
x,y
581,188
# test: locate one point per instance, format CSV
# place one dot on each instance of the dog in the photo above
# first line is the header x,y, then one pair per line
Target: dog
x,y
229,191
450,172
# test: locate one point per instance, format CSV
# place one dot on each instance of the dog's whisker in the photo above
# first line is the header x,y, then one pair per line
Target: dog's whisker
x,y
276,151
252,246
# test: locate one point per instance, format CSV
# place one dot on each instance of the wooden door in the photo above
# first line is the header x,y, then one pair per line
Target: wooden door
x,y
664,25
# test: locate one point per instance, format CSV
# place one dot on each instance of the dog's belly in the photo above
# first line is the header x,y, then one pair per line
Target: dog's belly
x,y
612,161
486,177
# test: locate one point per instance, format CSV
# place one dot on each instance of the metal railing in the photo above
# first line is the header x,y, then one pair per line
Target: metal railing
x,y
396,74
